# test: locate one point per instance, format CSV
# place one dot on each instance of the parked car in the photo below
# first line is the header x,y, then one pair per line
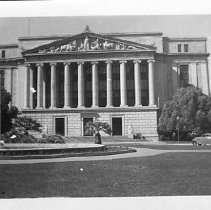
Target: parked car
x,y
205,139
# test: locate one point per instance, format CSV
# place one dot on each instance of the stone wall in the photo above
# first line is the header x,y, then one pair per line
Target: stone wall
x,y
142,121
194,46
11,52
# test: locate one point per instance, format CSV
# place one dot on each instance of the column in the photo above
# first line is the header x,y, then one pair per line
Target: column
x,y
123,84
193,74
66,85
137,81
53,86
27,87
31,86
80,85
151,82
109,83
39,86
44,89
95,86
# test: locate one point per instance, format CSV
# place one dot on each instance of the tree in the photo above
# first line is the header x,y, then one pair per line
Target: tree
x,y
10,119
97,126
7,113
189,111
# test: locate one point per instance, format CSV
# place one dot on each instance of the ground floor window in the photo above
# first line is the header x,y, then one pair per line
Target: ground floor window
x,y
87,132
117,126
59,123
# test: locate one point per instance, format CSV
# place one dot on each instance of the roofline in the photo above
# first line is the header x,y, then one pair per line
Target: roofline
x,y
135,34
58,37
186,38
44,37
49,37
8,46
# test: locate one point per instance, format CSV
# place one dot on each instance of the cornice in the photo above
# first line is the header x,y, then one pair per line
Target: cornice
x,y
188,54
182,54
87,52
92,110
11,61
6,46
88,57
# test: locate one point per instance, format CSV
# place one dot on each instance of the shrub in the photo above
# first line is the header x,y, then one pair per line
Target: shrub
x,y
139,136
20,138
28,139
52,139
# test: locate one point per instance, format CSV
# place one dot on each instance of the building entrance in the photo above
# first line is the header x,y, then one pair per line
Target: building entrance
x,y
60,126
117,126
87,132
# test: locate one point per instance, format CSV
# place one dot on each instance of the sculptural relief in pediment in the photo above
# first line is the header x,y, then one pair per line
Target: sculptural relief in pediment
x,y
89,44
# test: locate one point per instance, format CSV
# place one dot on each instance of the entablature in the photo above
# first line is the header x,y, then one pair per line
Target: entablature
x,y
103,56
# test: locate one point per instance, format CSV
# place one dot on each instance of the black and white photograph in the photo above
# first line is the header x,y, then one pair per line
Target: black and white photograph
x,y
105,106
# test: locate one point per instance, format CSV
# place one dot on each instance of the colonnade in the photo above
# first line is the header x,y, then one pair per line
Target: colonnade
x,y
95,84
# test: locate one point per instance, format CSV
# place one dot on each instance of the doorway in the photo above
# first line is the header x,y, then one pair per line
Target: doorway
x,y
60,126
117,126
87,132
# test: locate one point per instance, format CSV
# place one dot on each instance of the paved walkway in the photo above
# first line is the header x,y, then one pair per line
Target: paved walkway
x,y
52,146
141,152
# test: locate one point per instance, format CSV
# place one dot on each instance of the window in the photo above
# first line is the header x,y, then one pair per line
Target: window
x,y
185,47
3,54
117,126
2,77
179,47
184,76
59,125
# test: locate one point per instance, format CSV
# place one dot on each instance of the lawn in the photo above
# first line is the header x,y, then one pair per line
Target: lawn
x,y
169,146
161,175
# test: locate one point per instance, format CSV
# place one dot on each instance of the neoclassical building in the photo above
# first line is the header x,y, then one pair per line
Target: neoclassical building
x,y
119,78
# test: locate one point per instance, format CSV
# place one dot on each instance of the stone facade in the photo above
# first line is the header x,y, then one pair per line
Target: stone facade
x,y
143,121
119,78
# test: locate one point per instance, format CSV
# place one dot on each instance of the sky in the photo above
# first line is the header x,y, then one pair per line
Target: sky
x,y
170,25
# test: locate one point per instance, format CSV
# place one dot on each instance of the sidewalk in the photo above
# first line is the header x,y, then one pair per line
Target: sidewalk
x,y
141,152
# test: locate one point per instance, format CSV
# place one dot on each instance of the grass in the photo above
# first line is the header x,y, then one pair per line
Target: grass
x,y
169,147
160,175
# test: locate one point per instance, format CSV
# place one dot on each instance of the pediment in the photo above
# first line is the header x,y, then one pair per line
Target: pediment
x,y
88,42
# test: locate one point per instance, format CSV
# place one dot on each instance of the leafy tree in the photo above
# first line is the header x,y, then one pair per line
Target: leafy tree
x,y
7,113
97,126
193,109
